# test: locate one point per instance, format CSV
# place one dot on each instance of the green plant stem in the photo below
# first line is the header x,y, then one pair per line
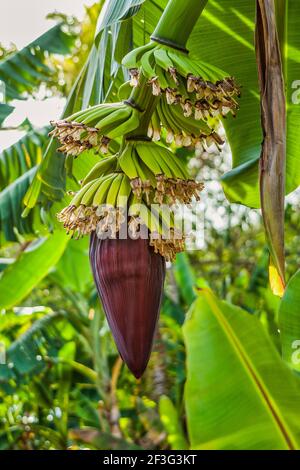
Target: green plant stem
x,y
178,21
142,97
174,27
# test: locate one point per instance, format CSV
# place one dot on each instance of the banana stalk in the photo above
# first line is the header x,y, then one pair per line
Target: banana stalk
x,y
125,200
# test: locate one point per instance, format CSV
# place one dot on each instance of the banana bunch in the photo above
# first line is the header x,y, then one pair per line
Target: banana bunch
x,y
164,236
95,127
156,173
198,87
184,131
107,203
98,205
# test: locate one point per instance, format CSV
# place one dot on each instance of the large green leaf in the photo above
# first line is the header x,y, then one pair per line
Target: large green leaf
x,y
11,222
115,11
224,36
21,156
19,278
239,393
289,322
24,70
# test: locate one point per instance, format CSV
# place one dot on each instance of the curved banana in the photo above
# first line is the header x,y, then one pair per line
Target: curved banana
x,y
124,193
113,119
144,152
88,196
126,162
112,194
162,59
174,163
126,126
132,59
106,165
75,202
155,153
101,193
147,63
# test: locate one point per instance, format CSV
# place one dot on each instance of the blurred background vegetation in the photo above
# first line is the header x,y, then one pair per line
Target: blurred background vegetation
x,y
63,384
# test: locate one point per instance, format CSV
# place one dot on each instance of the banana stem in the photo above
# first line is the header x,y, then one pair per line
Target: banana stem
x,y
174,28
178,21
142,98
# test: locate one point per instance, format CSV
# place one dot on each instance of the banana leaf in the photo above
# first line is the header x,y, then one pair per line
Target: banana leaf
x,y
22,156
32,265
289,323
239,394
26,69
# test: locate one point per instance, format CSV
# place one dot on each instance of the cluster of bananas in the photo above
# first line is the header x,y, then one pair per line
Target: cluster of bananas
x,y
184,131
95,127
108,206
117,193
99,205
199,88
164,236
156,173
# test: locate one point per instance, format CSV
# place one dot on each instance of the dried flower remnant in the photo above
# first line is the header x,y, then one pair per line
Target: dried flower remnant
x,y
94,127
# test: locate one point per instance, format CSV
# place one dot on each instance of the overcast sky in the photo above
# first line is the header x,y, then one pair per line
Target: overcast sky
x,y
22,21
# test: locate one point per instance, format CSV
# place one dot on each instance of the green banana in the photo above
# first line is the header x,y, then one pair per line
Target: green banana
x,y
182,63
147,64
124,192
78,196
156,155
101,168
164,216
88,196
159,72
124,90
144,152
114,118
176,166
162,59
164,114
134,205
132,59
156,126
126,162
126,126
149,175
101,193
92,116
112,194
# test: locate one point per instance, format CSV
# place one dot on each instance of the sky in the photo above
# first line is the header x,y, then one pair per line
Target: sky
x,y
22,21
